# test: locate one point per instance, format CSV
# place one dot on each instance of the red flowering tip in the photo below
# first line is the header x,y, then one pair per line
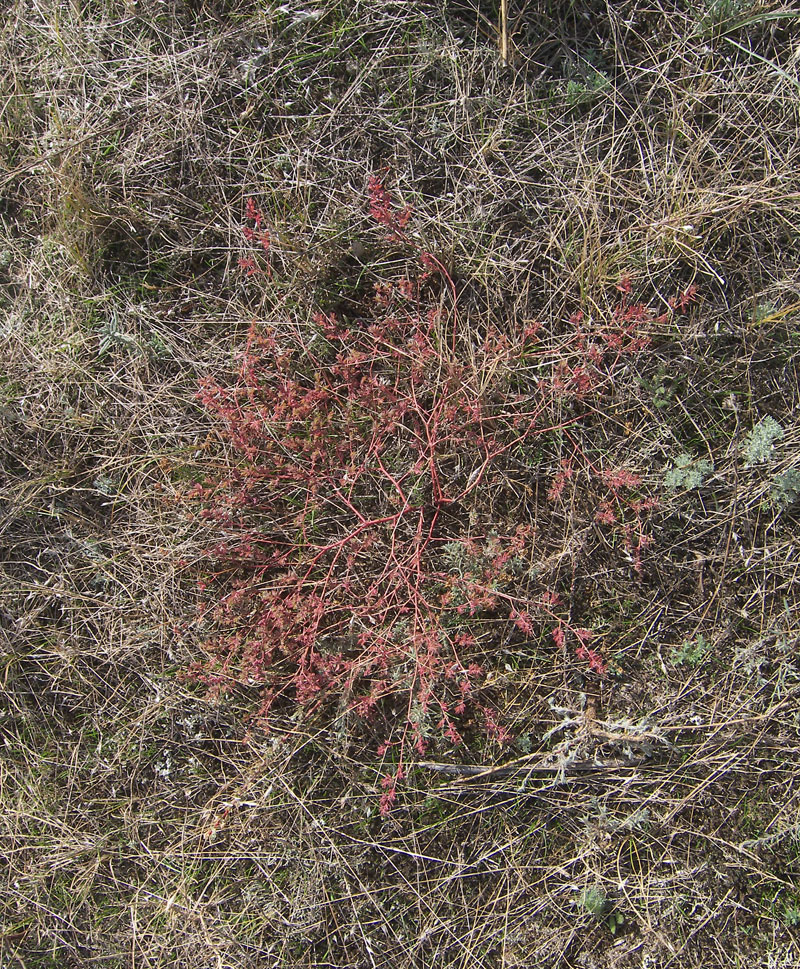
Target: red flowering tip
x,y
253,213
622,478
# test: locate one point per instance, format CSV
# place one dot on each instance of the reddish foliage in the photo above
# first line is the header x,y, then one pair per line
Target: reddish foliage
x,y
350,567
384,212
257,235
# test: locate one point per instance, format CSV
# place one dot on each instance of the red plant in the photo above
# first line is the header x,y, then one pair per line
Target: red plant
x,y
359,567
257,235
384,212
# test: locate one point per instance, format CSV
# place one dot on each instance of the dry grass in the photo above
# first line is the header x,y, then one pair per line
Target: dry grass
x,y
138,828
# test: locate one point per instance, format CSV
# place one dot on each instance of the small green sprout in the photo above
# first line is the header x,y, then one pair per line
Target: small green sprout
x,y
786,488
615,922
791,916
759,442
691,652
594,901
687,472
